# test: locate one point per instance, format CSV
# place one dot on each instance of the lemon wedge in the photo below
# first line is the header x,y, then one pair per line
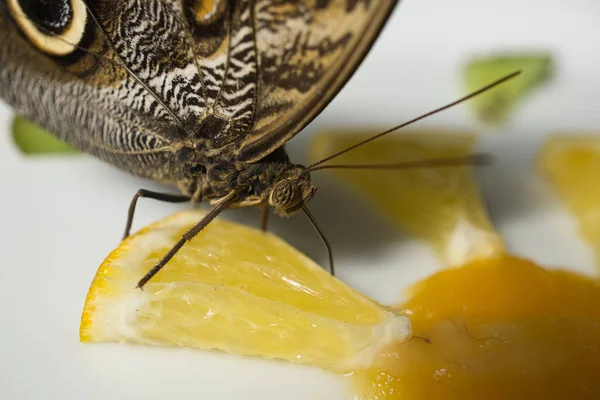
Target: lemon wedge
x,y
440,205
236,289
571,164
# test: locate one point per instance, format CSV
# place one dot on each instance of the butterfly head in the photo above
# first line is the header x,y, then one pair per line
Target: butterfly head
x,y
292,191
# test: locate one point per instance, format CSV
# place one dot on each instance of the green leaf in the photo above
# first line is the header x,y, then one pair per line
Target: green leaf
x,y
494,107
33,140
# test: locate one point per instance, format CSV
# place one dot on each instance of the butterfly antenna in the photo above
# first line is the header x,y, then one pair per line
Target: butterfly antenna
x,y
472,159
412,121
313,221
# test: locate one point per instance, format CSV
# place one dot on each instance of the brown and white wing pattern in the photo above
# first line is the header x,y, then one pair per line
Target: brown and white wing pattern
x,y
126,89
282,62
151,85
307,50
230,69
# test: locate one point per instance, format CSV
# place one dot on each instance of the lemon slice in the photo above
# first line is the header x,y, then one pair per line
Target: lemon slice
x,y
235,289
441,206
571,163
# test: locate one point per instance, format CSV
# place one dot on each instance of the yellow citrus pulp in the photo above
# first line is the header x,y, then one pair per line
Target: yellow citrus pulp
x,y
571,164
441,206
497,327
235,289
494,327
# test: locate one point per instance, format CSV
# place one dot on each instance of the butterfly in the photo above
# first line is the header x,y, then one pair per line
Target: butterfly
x,y
198,94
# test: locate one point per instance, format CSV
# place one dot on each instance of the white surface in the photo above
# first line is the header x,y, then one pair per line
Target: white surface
x,y
60,218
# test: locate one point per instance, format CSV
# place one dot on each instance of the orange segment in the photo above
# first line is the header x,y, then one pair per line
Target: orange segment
x,y
497,329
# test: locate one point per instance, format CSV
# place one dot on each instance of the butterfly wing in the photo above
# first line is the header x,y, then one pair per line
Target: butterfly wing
x,y
284,62
115,78
308,50
137,82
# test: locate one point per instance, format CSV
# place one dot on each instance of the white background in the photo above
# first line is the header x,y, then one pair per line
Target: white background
x,y
60,218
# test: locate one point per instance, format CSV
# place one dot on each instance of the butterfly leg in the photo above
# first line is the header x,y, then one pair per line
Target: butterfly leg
x,y
186,237
264,219
170,198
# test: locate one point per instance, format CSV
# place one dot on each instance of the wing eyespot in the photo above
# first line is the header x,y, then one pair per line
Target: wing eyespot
x,y
206,12
54,27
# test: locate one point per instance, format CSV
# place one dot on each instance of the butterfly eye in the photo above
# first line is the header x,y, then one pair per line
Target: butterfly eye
x,y
55,27
284,195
